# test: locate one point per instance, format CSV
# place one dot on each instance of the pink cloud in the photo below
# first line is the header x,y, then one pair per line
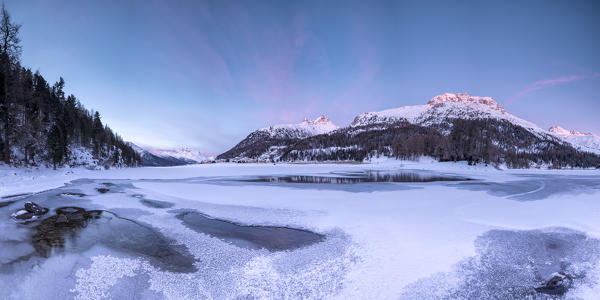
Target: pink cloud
x,y
541,84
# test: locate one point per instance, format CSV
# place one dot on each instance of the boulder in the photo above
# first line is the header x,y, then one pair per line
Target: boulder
x,y
557,285
30,212
35,209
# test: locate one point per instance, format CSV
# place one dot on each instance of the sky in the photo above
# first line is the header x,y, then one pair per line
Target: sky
x,y
204,74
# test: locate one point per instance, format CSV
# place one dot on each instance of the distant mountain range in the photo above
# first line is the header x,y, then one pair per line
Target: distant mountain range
x,y
164,158
450,127
583,141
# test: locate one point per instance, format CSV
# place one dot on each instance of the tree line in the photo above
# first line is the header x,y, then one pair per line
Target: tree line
x,y
487,141
40,124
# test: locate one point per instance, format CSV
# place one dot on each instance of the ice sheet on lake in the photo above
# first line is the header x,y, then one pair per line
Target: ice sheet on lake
x,y
431,239
511,264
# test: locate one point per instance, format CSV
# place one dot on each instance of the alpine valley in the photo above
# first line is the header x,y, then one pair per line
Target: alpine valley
x,y
168,158
450,127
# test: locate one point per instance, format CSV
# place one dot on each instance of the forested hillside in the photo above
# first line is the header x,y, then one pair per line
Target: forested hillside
x,y
40,125
479,140
486,141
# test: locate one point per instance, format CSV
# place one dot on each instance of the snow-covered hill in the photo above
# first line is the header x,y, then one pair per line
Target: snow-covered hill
x,y
584,141
442,108
266,142
303,129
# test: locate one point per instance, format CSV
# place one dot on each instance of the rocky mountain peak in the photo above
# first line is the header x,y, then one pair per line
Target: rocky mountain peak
x,y
322,120
464,98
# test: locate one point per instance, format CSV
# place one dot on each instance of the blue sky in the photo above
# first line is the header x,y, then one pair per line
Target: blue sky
x,y
206,73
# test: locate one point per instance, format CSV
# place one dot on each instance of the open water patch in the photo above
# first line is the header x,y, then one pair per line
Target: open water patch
x,y
156,203
272,238
359,177
74,229
6,203
361,181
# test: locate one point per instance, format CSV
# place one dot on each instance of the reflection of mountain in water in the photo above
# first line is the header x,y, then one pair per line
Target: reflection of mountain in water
x,y
352,178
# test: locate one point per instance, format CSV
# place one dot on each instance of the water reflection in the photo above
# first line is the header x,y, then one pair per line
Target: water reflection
x,y
359,177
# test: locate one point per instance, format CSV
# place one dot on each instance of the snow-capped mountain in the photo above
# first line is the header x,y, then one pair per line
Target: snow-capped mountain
x,y
442,108
164,158
266,142
185,153
584,141
448,127
303,129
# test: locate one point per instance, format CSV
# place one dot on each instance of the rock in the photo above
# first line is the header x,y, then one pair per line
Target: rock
x,y
34,208
102,190
557,285
22,215
61,219
31,212
52,231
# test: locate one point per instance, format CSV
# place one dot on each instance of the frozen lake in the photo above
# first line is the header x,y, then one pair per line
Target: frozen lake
x,y
379,231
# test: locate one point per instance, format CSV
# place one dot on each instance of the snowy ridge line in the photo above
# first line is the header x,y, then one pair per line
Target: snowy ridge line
x,y
305,128
464,106
445,106
185,153
481,121
583,141
182,156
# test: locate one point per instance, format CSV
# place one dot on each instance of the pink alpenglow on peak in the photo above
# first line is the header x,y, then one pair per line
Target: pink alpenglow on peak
x,y
307,127
185,153
584,141
464,98
561,131
442,108
322,120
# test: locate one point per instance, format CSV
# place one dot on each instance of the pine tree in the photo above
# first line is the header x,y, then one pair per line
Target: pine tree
x,y
10,51
97,133
56,145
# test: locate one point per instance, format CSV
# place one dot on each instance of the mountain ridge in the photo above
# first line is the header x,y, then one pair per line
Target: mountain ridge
x,y
265,142
438,108
449,127
584,141
305,128
167,158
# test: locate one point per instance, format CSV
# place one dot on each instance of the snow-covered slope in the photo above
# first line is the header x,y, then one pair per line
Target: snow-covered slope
x,y
267,142
161,158
303,129
583,141
441,108
185,153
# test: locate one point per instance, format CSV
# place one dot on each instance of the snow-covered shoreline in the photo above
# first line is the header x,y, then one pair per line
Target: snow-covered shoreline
x,y
31,180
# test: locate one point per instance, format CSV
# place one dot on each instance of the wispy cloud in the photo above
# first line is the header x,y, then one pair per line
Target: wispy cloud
x,y
541,84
